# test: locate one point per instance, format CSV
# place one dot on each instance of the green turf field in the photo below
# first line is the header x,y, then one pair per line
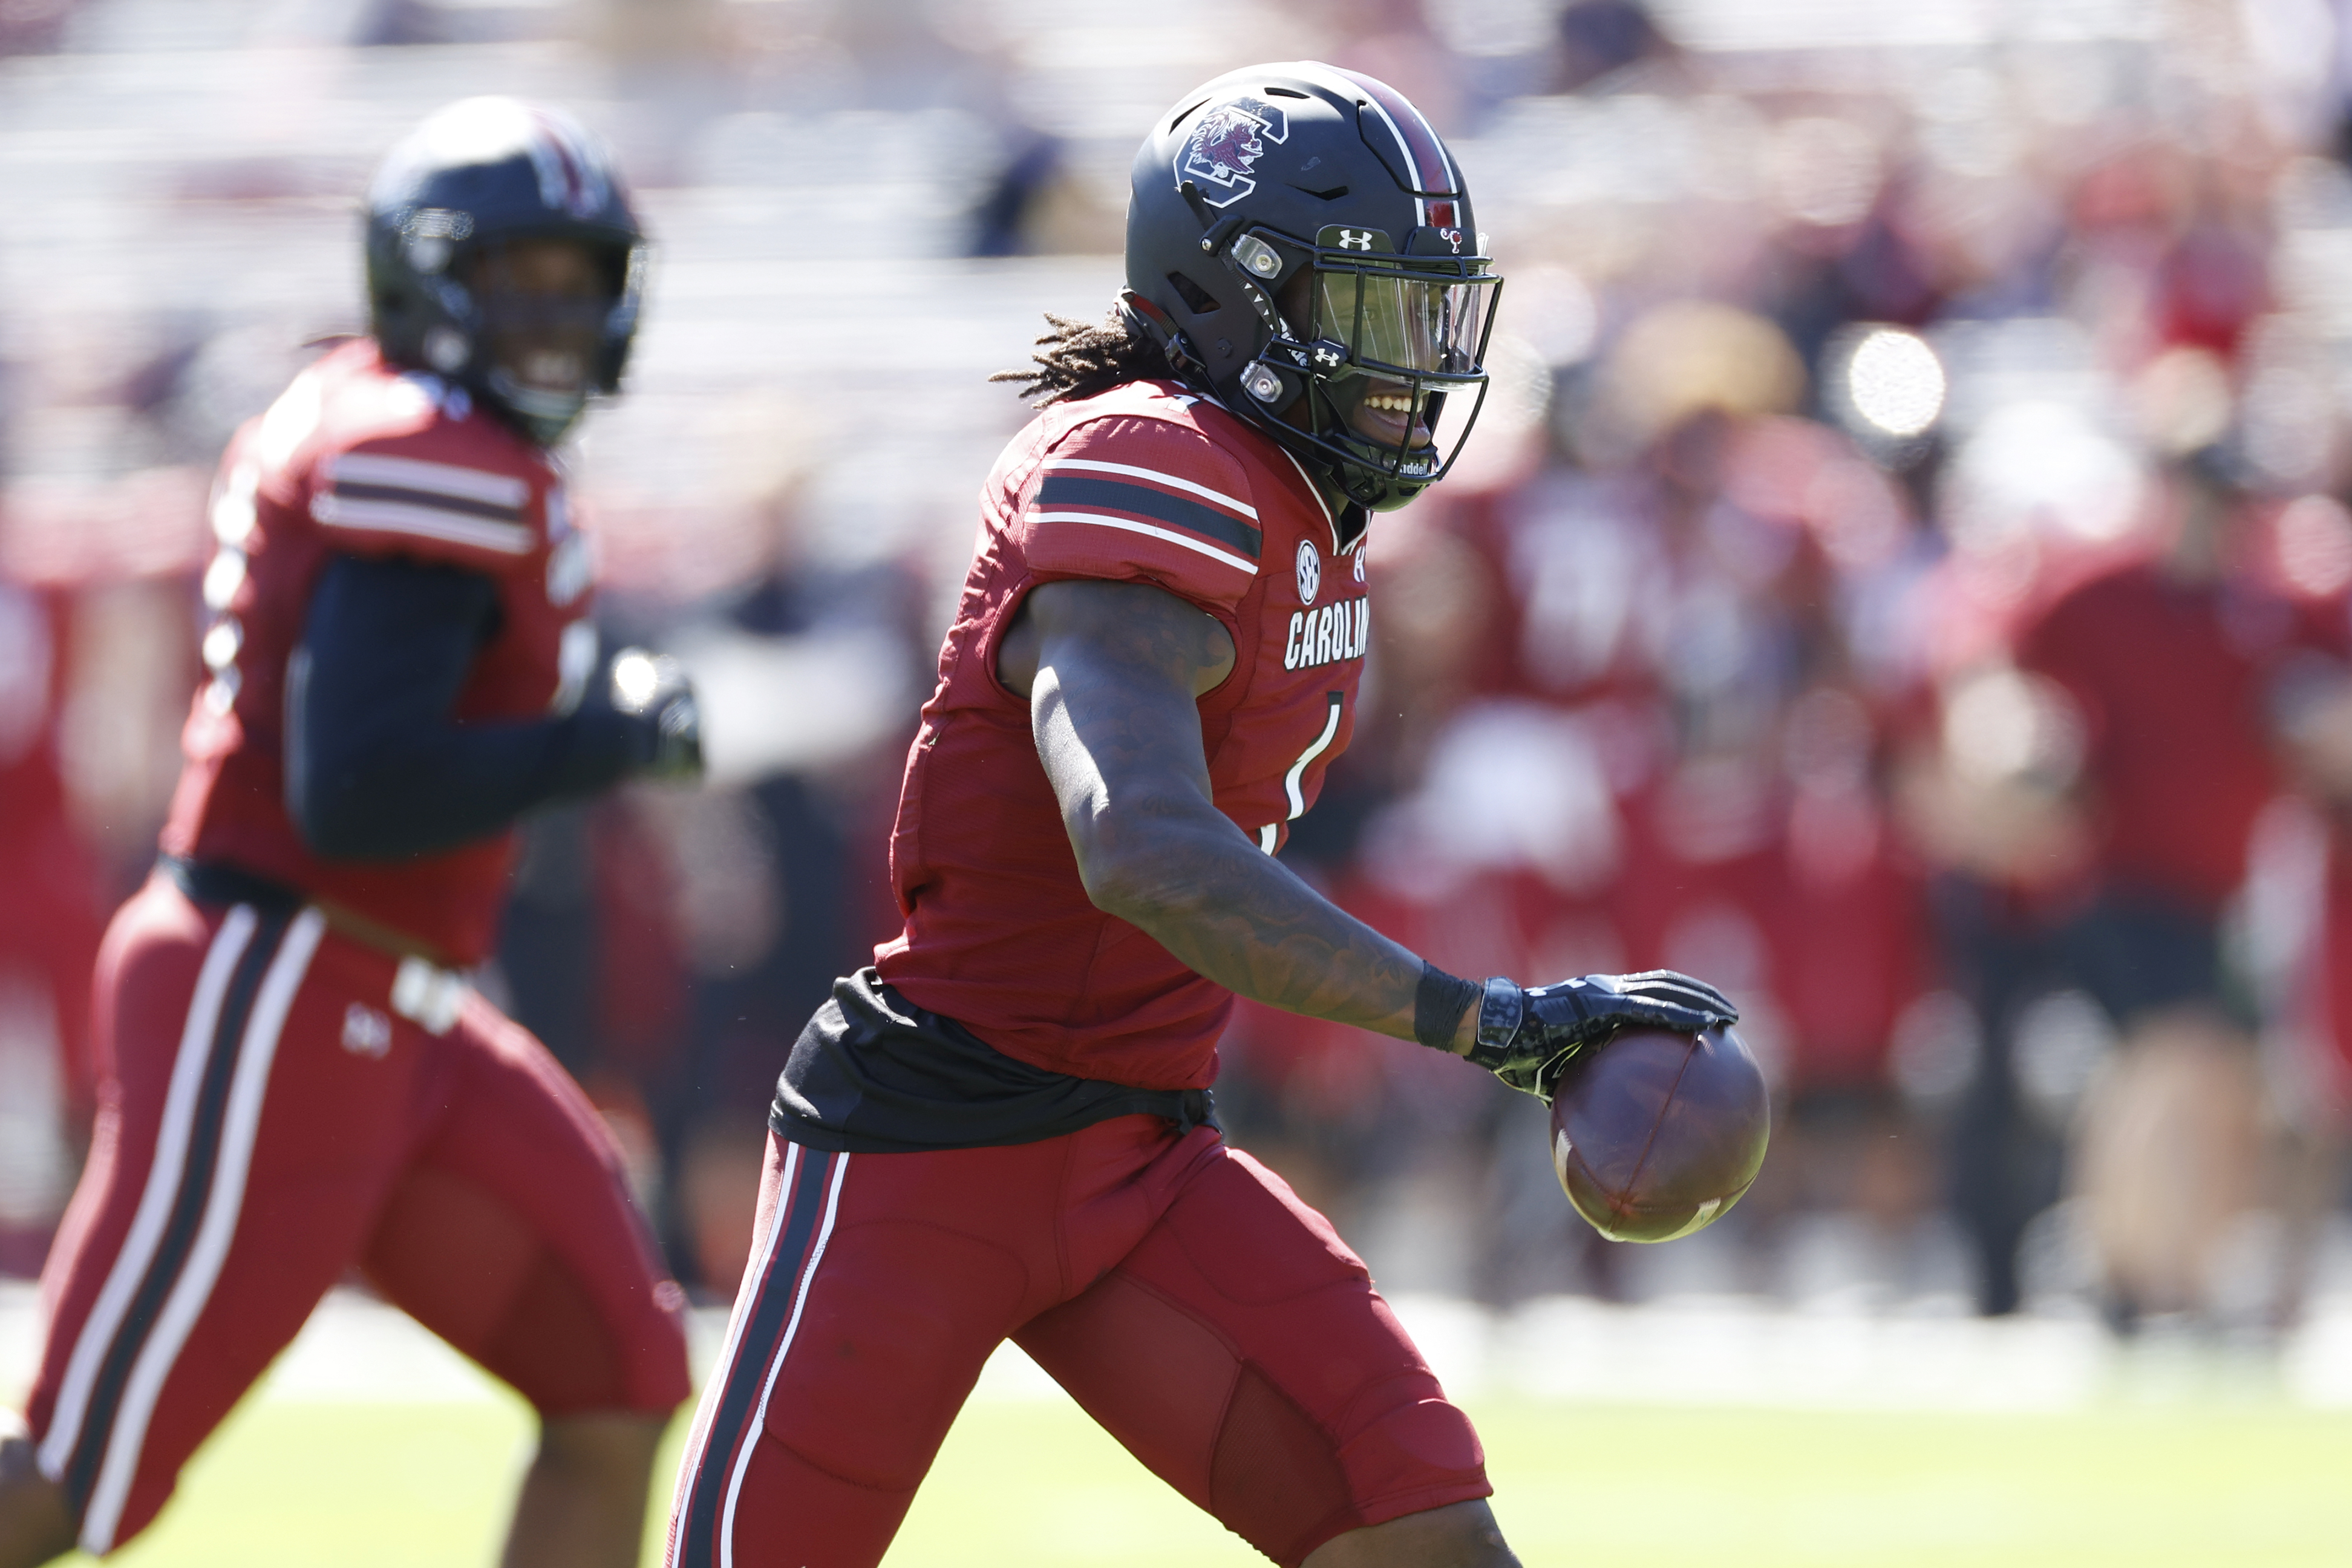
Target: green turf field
x,y
1031,1482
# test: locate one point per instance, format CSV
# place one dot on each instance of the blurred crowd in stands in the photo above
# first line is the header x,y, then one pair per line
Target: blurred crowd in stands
x,y
1899,573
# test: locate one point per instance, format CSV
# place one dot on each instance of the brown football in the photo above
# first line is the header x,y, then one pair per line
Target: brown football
x,y
1654,1134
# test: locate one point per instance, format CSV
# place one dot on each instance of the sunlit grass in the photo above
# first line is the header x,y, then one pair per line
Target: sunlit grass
x,y
1032,1482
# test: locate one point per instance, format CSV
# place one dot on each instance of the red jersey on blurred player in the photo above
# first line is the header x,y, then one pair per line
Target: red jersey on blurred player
x,y
365,460
296,1080
2178,668
2173,694
1003,1129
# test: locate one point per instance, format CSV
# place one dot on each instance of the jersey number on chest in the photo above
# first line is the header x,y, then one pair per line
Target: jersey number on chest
x,y
1336,703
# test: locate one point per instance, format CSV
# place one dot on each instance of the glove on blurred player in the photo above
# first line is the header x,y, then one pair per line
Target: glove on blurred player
x,y
655,688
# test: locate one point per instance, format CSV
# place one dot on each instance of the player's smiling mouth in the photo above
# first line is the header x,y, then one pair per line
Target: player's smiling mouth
x,y
553,370
1389,415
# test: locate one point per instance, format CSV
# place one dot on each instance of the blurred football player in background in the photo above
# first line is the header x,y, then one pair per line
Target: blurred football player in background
x,y
1003,1129
297,1078
2149,693
2164,667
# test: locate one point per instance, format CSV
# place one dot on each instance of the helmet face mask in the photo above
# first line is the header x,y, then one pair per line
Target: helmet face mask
x,y
543,306
1404,333
467,189
1300,244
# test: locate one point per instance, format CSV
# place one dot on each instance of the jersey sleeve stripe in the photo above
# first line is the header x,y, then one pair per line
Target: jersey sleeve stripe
x,y
1142,500
347,490
1156,477
426,522
1133,527
448,479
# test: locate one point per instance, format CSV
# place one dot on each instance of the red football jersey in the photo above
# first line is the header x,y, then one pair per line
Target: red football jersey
x,y
2176,750
363,458
1145,483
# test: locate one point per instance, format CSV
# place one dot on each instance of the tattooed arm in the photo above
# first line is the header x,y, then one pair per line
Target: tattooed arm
x,y
1112,671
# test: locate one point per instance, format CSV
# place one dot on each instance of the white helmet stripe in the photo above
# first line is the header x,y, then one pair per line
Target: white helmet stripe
x,y
571,174
1424,148
1429,167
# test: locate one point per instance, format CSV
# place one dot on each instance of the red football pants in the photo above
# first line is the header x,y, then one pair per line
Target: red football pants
x,y
266,1121
1210,1321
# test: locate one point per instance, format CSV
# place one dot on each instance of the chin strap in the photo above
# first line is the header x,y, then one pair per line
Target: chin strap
x,y
1142,316
547,414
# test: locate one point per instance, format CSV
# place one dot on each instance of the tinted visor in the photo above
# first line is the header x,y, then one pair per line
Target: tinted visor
x,y
1393,319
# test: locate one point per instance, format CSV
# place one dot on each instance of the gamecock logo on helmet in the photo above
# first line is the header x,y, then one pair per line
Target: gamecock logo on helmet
x,y
1226,142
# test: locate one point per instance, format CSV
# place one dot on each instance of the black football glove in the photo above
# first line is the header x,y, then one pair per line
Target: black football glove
x,y
654,690
1526,1037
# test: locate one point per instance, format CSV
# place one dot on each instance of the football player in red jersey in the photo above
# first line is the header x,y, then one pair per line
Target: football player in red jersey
x,y
299,1079
1003,1129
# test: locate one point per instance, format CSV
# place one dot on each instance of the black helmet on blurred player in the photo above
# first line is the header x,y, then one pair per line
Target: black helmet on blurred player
x,y
1280,173
473,176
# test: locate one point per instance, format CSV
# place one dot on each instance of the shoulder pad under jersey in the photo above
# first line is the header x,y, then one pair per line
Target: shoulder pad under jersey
x,y
1138,486
405,464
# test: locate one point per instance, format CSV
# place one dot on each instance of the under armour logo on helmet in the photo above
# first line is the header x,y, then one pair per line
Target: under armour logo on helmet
x,y
1355,240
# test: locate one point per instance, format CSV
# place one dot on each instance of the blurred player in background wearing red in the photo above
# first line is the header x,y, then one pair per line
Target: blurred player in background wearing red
x,y
297,1078
1003,1129
49,929
2166,663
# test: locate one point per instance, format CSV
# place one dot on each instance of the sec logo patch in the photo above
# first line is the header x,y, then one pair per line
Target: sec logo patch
x,y
1310,572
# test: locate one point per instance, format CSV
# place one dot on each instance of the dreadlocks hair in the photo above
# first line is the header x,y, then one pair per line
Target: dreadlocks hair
x,y
1076,359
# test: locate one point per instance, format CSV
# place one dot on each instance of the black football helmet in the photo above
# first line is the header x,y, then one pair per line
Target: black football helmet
x,y
1299,241
473,175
